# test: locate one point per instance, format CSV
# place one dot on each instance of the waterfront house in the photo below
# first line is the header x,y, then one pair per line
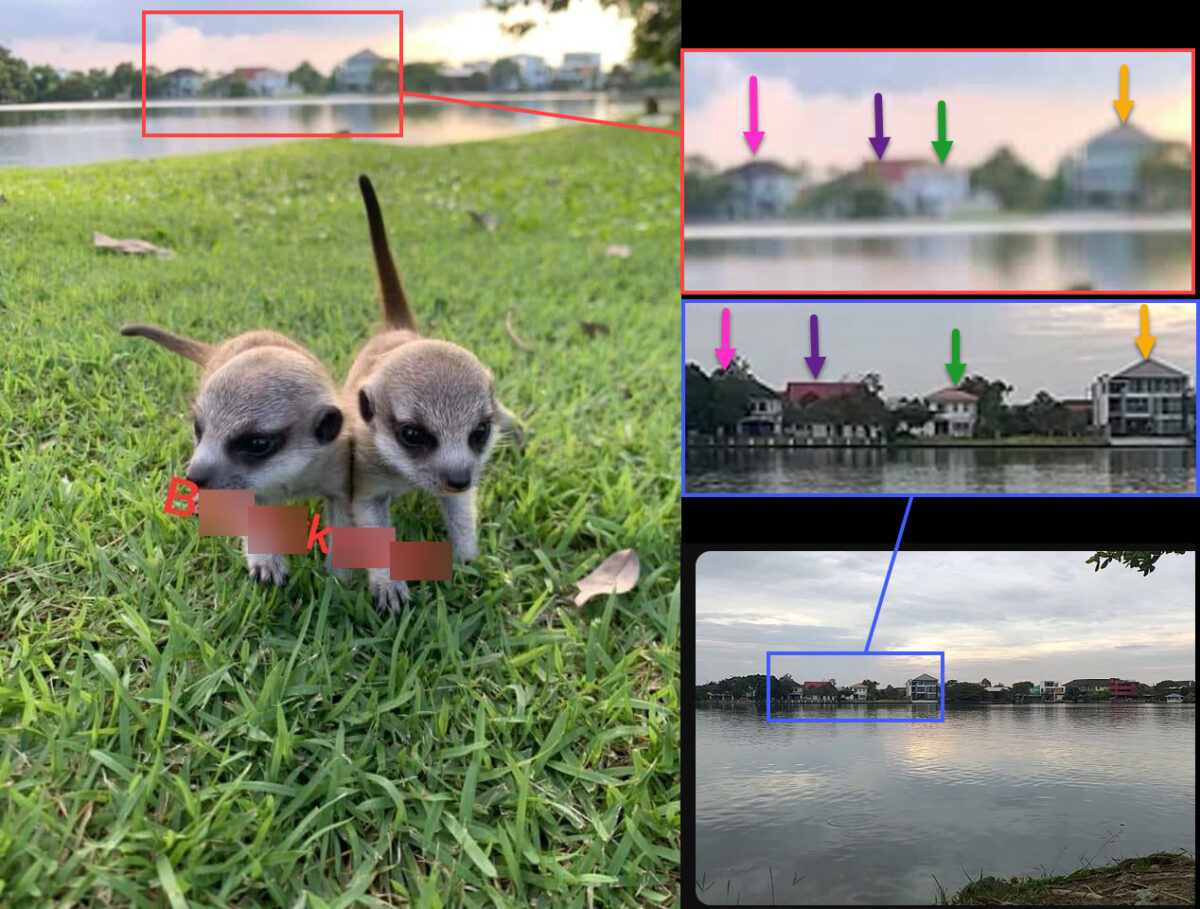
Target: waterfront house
x,y
922,688
525,72
580,72
355,73
1104,172
853,425
1149,399
1122,688
262,80
759,189
1174,698
953,414
917,186
764,412
1088,686
859,691
810,690
1050,691
183,83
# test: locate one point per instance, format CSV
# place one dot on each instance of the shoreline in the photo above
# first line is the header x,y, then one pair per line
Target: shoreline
x,y
1185,443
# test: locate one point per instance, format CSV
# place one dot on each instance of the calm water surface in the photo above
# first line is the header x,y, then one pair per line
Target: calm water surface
x,y
1053,253
78,133
869,813
955,470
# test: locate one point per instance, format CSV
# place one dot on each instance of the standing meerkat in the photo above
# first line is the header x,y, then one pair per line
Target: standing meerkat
x,y
422,415
266,419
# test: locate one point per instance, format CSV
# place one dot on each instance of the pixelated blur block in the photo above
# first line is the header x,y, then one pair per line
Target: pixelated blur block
x,y
277,529
361,547
223,512
419,561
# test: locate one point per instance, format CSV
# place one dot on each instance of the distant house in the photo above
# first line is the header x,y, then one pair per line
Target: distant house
x,y
954,414
764,415
355,73
580,72
183,83
1174,698
1149,398
760,189
807,392
808,428
1088,686
1104,172
1050,691
859,691
262,80
922,688
917,186
810,690
1122,688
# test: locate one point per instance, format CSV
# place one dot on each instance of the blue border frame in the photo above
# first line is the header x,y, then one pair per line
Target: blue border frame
x,y
942,698
715,297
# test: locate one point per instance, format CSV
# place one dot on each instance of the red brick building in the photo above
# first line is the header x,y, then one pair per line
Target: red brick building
x,y
1121,688
806,392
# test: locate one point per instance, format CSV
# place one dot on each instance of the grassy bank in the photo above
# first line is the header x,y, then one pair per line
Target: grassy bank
x,y
174,733
1160,879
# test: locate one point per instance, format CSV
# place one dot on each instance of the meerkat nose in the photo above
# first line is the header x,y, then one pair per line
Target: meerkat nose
x,y
200,478
456,481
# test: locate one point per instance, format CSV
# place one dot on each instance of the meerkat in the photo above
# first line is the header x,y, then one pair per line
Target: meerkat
x,y
266,419
421,415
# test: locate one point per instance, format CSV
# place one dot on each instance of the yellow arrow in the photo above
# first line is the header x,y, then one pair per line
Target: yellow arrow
x,y
1145,343
1124,106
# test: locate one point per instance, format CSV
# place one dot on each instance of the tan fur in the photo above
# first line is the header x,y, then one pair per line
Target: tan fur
x,y
400,379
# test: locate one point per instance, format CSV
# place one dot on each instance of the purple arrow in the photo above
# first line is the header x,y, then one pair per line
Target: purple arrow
x,y
725,352
816,361
879,143
753,136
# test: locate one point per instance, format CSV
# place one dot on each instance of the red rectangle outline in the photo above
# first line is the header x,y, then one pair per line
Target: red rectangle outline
x,y
683,51
277,12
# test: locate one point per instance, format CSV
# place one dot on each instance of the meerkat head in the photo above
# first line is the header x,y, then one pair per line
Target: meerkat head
x,y
262,419
428,411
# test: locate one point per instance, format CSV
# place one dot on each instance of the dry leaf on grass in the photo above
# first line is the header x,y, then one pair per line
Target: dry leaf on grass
x,y
620,252
486,221
512,334
134,247
594,328
616,574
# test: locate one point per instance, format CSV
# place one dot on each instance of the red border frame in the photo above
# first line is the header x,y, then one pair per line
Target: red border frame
x,y
277,12
930,293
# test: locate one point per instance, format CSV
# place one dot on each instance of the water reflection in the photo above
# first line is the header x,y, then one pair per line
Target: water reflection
x,y
926,470
45,136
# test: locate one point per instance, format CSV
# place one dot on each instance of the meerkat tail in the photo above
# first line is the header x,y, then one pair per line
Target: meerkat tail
x,y
396,313
185,347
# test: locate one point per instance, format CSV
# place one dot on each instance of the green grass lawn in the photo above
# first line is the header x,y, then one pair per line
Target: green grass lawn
x,y
171,733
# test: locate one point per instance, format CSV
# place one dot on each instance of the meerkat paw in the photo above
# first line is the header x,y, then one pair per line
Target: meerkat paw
x,y
388,597
267,569
466,551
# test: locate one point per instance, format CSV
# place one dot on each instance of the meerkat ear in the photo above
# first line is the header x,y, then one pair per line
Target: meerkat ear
x,y
364,405
329,426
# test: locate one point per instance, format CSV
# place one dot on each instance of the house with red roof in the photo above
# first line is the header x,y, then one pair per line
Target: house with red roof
x,y
262,80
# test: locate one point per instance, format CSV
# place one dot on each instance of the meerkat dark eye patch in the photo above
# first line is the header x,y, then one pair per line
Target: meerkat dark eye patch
x,y
254,446
364,405
480,435
199,429
416,438
330,425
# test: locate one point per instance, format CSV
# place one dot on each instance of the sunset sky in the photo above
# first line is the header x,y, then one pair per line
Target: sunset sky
x,y
819,107
1006,616
79,34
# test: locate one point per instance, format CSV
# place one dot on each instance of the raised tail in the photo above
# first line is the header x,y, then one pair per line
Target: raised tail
x,y
396,313
185,347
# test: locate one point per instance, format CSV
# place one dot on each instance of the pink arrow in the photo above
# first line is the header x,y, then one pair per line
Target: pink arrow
x,y
753,136
725,352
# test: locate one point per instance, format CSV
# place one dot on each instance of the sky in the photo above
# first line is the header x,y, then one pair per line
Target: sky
x,y
1033,345
80,34
1004,616
819,107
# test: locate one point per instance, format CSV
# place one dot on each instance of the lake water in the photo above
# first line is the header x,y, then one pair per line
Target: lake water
x,y
46,134
1054,252
869,813
931,470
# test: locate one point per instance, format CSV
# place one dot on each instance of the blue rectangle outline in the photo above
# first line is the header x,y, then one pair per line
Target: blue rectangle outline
x,y
942,697
683,490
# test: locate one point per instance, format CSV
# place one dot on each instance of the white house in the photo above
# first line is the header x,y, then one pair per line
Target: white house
x,y
263,81
183,83
859,691
922,688
954,414
764,415
1104,172
1174,698
920,187
580,71
760,189
354,73
1149,398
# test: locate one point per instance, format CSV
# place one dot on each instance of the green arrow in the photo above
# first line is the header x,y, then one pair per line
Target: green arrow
x,y
956,368
942,146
